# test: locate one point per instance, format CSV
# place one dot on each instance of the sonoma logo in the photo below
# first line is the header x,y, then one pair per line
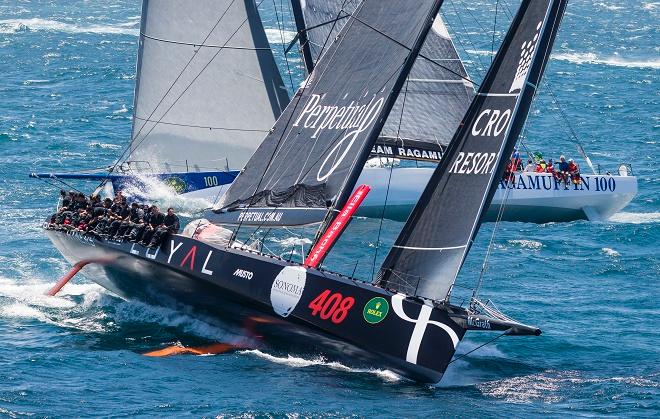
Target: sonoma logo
x,y
353,118
243,274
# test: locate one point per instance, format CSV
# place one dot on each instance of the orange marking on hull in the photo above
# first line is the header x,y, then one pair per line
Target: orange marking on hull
x,y
214,349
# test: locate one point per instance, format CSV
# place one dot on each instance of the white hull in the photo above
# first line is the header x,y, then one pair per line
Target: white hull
x,y
535,197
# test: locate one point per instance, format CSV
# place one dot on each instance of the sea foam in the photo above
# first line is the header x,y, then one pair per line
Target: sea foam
x,y
592,58
636,217
298,362
36,24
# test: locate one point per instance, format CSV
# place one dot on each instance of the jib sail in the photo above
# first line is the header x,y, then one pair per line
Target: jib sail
x,y
315,152
432,246
207,90
441,84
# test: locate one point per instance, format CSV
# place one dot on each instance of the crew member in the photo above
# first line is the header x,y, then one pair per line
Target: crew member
x,y
170,226
574,172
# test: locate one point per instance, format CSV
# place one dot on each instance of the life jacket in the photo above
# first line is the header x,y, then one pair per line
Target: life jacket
x,y
550,168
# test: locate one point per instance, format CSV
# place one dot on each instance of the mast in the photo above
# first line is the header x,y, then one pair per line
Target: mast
x,y
354,174
302,35
432,246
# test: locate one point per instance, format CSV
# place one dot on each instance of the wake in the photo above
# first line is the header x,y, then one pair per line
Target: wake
x,y
298,362
591,58
9,26
636,217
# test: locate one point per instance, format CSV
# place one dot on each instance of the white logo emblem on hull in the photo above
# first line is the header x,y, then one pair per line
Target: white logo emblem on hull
x,y
287,289
421,322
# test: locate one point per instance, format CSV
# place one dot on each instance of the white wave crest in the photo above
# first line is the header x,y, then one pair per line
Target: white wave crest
x,y
548,386
275,36
34,294
654,5
610,252
297,362
37,24
591,58
22,311
636,217
607,6
292,241
96,144
152,190
526,244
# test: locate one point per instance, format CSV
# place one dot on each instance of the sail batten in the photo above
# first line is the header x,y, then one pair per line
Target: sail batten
x,y
316,150
207,85
432,246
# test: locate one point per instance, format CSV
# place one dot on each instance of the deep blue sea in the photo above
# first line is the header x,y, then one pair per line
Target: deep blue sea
x,y
66,93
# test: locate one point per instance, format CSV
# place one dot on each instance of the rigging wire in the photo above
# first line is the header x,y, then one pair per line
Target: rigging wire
x,y
409,49
478,347
492,46
281,30
167,92
279,141
468,40
389,181
187,87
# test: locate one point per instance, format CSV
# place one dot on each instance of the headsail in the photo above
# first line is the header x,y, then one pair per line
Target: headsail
x,y
432,246
207,89
430,86
313,156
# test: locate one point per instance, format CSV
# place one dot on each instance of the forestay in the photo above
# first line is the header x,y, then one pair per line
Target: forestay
x,y
441,84
432,246
207,90
313,156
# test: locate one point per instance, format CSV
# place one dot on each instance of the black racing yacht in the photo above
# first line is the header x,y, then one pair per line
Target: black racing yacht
x,y
305,172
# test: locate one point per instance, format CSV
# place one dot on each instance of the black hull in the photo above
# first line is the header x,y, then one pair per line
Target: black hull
x,y
274,299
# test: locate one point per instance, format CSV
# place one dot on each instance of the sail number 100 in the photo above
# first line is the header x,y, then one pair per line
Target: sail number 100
x,y
334,307
210,181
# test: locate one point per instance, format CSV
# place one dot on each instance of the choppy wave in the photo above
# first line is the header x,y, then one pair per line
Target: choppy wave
x,y
36,24
636,217
89,313
592,58
292,241
275,36
610,252
526,244
155,191
96,144
651,5
608,6
548,386
298,362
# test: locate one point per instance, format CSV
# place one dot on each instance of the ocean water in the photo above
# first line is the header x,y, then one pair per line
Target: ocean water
x,y
68,70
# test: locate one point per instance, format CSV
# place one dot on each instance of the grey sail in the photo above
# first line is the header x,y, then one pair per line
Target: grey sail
x,y
316,150
441,84
432,246
207,90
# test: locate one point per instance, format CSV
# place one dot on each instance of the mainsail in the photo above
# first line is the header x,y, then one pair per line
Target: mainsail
x,y
441,84
207,90
316,150
432,246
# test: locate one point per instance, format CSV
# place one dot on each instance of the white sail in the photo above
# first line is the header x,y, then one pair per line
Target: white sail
x,y
207,88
